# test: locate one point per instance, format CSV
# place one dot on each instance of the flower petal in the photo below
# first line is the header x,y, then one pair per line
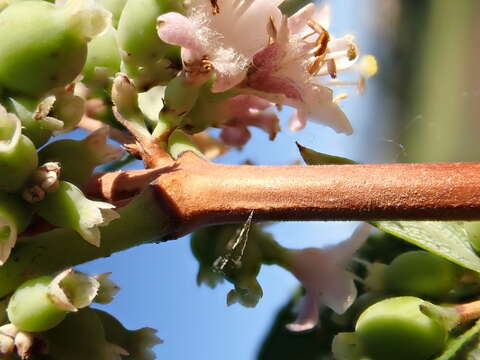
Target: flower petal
x,y
339,292
308,314
176,29
343,251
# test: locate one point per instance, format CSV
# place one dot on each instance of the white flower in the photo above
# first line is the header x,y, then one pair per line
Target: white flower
x,y
220,36
323,275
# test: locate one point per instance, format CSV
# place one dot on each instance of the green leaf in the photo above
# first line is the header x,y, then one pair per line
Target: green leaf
x,y
446,239
455,345
312,157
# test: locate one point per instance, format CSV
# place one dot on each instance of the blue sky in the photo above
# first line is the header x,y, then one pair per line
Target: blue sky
x,y
158,281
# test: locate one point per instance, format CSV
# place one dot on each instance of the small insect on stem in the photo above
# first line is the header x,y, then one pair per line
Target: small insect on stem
x,y
234,249
215,7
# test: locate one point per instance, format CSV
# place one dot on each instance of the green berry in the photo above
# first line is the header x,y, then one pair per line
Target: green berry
x,y
103,60
115,7
30,307
420,273
147,59
396,329
39,50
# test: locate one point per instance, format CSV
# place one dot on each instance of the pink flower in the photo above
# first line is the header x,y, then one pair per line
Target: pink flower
x,y
219,36
247,110
323,275
291,70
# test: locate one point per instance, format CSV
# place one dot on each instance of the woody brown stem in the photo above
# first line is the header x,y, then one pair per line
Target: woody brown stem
x,y
197,193
468,311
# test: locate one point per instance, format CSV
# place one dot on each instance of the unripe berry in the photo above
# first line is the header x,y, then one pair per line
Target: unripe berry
x,y
103,60
30,308
147,59
115,7
396,329
44,46
420,273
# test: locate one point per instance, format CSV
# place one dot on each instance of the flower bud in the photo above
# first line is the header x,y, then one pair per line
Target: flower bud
x,y
68,207
147,59
180,96
42,303
396,328
78,158
18,157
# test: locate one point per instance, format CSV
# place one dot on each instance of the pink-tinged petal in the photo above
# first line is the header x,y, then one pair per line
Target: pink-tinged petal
x,y
243,24
276,85
298,21
343,251
331,115
240,104
308,313
176,29
266,121
237,135
339,292
226,80
297,121
323,15
269,57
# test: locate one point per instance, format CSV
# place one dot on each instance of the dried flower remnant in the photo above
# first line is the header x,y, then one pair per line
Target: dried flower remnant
x,y
323,275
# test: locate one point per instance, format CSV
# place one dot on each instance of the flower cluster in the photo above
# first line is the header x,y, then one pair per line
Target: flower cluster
x,y
250,47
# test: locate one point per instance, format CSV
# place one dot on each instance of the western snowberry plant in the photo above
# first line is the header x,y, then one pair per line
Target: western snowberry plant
x,y
148,79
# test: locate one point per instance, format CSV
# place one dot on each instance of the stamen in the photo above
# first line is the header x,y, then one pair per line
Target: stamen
x,y
332,68
215,7
352,52
361,85
322,42
207,65
272,31
315,66
339,98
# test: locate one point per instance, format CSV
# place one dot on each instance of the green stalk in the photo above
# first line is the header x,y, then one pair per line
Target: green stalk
x,y
141,221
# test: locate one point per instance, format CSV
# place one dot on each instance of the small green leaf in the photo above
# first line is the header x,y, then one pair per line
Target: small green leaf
x,y
312,157
446,239
456,344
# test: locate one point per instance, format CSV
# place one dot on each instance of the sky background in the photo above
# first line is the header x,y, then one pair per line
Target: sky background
x,y
158,281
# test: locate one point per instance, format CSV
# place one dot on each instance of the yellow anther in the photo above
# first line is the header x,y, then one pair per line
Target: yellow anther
x,y
368,66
